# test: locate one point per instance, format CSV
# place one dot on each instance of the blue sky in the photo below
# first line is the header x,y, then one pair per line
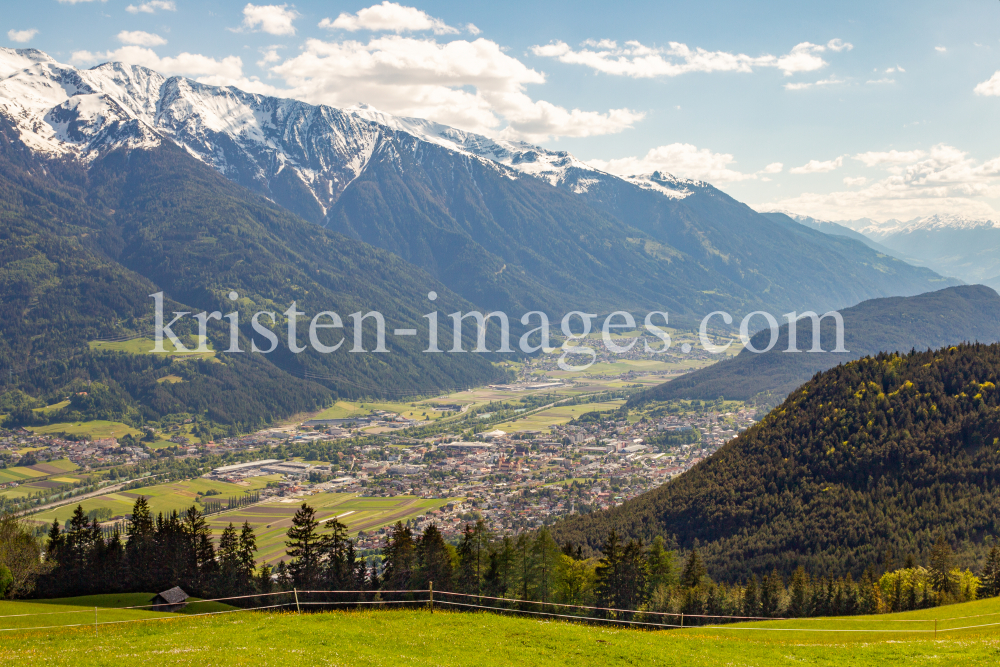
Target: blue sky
x,y
837,110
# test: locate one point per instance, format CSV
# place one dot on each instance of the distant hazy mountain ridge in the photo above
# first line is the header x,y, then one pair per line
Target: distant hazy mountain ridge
x,y
969,313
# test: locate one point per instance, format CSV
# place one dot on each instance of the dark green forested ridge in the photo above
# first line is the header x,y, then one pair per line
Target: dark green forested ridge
x,y
880,454
968,313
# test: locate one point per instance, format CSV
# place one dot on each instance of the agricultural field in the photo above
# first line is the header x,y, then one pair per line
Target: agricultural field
x,y
97,428
23,473
161,497
559,414
39,477
271,520
416,637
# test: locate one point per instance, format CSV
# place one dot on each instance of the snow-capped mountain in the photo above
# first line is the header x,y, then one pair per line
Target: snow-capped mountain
x,y
935,222
504,224
252,139
952,245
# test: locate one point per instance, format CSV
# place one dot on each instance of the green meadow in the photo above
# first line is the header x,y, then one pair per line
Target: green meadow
x,y
414,636
97,428
146,345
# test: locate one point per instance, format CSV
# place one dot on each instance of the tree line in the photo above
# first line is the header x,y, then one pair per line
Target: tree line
x,y
629,579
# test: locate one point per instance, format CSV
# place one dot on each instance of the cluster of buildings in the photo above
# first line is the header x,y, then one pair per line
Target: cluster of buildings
x,y
513,481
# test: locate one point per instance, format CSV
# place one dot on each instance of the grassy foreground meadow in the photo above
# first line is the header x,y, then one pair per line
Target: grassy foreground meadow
x,y
414,636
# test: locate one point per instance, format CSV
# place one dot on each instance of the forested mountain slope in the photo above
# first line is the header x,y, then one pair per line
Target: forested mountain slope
x,y
883,453
84,246
969,313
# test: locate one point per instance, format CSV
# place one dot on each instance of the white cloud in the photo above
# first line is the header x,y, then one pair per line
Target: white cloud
x,y
140,38
391,17
880,81
802,58
897,68
990,87
472,29
269,55
853,181
473,85
942,179
818,166
686,161
74,2
803,85
152,6
22,36
839,45
878,158
272,19
940,49
639,61
225,72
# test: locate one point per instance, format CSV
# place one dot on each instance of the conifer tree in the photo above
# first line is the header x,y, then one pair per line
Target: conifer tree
x,y
305,548
609,573
940,566
399,558
694,570
800,587
246,558
662,571
434,560
990,581
751,598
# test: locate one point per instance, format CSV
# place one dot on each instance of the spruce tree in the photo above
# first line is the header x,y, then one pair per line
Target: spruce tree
x,y
246,558
800,588
434,559
662,571
229,562
940,566
609,573
990,580
305,548
399,558
694,570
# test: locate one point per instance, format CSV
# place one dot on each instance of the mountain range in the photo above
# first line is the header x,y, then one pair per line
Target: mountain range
x,y
952,245
503,224
118,182
968,313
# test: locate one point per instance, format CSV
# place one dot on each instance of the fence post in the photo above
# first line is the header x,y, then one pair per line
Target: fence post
x,y
95,621
297,607
430,588
682,620
935,628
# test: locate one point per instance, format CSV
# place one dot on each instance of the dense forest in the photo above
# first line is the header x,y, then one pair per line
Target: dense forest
x,y
969,313
872,457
